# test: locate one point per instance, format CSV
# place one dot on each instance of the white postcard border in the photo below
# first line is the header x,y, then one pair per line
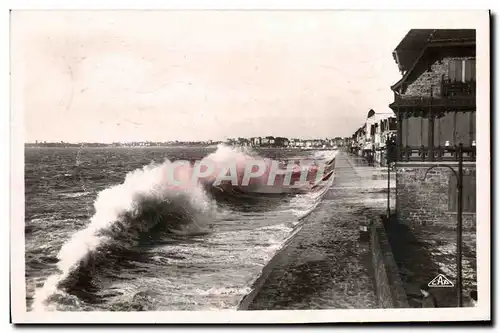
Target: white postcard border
x,y
478,20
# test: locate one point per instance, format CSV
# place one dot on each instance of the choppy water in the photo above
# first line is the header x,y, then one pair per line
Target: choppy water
x,y
93,245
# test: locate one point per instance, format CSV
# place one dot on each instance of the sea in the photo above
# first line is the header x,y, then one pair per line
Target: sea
x,y
103,234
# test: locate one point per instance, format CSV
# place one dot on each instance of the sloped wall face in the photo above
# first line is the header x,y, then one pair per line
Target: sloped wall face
x,y
422,202
388,283
432,70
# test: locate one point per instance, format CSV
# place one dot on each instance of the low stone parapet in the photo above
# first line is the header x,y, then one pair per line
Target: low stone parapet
x,y
388,283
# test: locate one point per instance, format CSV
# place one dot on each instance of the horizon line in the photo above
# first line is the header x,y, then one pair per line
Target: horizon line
x,y
179,141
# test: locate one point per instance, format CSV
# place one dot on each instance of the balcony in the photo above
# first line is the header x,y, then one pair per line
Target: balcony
x,y
454,96
458,89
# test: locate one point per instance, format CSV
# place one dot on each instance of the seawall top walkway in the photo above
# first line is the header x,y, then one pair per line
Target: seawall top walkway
x,y
326,266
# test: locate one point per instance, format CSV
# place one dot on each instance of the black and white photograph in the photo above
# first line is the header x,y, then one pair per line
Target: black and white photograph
x,y
242,166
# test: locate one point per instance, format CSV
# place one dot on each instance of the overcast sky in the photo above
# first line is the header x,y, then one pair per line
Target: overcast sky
x,y
198,75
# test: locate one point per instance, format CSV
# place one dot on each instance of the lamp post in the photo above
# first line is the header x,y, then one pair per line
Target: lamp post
x,y
459,177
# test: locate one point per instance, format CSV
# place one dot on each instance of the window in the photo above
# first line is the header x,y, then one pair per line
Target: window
x,y
468,194
462,70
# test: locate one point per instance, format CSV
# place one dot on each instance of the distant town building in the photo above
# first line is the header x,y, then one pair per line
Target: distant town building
x,y
384,130
371,142
358,141
256,141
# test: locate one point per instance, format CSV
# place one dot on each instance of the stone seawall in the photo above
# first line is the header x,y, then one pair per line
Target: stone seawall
x,y
388,284
258,284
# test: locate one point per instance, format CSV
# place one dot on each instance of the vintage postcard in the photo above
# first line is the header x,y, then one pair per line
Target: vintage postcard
x,y
250,166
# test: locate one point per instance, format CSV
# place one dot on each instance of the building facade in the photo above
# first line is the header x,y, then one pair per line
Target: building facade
x,y
384,129
435,107
376,131
358,141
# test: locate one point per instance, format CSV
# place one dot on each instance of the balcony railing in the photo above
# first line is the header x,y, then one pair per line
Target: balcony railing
x,y
452,95
457,89
425,102
438,153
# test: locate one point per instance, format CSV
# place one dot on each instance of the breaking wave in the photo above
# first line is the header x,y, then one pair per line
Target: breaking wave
x,y
146,202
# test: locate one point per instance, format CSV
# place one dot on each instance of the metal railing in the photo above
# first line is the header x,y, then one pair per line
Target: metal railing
x,y
438,153
447,101
451,89
451,94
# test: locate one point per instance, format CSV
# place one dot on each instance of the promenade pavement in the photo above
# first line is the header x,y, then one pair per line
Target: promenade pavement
x,y
326,266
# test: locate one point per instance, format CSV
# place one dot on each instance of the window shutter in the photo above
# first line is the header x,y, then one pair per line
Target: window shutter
x,y
458,70
473,69
470,69
451,70
455,70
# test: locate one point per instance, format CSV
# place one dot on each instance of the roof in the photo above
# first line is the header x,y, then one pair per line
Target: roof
x,y
445,35
417,40
409,48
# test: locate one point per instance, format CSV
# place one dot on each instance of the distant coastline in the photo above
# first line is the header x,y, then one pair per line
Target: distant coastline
x,y
178,146
117,145
268,142
172,146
